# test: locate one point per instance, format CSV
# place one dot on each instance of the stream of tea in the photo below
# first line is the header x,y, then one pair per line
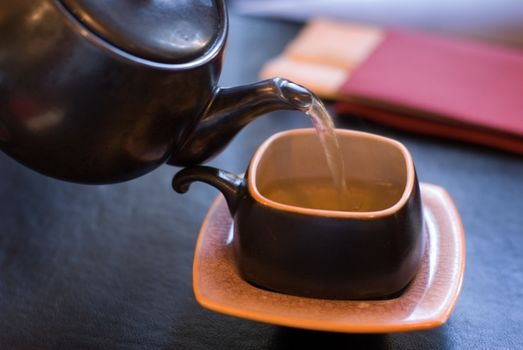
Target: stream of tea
x,y
322,122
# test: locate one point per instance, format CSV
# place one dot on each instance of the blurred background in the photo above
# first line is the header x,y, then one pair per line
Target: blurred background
x,y
499,21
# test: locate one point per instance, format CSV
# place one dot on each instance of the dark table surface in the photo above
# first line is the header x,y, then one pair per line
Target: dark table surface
x,y
109,267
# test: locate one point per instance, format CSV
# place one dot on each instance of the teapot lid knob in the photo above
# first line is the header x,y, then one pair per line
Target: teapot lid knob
x,y
165,31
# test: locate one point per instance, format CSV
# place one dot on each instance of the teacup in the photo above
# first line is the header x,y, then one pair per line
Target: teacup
x,y
289,242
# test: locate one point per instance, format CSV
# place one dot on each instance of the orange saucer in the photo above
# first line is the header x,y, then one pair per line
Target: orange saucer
x,y
426,303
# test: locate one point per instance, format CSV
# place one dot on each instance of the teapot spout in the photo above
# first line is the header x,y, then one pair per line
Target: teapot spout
x,y
231,109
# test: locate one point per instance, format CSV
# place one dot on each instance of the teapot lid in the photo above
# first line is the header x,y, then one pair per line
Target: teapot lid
x,y
167,31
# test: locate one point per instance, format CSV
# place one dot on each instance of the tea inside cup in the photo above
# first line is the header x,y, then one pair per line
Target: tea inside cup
x,y
291,172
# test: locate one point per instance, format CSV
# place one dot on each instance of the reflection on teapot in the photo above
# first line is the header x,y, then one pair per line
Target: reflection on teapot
x,y
105,91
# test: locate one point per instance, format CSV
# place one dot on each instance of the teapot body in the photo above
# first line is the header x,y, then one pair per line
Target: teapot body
x,y
75,107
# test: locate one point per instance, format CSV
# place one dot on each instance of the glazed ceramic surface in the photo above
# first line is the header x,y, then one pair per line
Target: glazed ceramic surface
x,y
105,91
426,303
323,253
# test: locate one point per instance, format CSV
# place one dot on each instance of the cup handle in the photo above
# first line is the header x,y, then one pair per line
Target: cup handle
x,y
229,184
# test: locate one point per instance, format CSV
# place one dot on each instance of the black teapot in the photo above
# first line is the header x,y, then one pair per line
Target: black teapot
x,y
104,91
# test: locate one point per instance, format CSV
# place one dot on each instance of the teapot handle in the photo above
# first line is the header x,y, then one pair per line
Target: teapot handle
x,y
232,186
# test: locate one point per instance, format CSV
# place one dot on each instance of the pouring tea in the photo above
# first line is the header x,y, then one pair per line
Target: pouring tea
x,y
105,91
290,235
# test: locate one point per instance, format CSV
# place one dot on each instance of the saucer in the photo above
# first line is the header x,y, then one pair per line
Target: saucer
x,y
426,303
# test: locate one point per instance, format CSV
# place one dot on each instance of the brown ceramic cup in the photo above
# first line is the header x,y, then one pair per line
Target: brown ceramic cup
x,y
323,253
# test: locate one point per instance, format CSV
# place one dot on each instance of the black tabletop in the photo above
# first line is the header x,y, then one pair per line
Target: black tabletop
x,y
109,267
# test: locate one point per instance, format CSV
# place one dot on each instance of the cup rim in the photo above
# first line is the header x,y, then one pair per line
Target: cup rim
x,y
258,197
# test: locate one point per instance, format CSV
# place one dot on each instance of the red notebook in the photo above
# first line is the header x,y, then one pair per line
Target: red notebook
x,y
441,86
423,83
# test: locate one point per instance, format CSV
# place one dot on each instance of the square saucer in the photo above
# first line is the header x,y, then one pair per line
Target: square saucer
x,y
426,303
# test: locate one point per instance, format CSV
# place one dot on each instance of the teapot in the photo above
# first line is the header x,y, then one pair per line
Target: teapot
x,y
105,91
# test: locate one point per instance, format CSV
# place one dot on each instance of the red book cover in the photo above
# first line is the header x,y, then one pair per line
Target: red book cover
x,y
443,86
